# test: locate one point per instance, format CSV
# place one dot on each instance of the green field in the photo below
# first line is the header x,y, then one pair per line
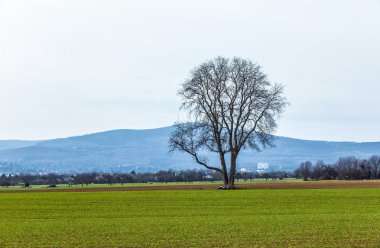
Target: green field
x,y
118,185
192,218
215,184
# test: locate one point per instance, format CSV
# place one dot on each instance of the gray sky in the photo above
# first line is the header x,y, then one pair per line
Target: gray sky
x,y
71,67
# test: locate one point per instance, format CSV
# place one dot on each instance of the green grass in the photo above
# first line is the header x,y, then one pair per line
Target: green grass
x,y
79,186
98,185
194,218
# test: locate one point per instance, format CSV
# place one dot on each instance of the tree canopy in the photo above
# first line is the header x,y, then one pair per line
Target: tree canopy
x,y
232,106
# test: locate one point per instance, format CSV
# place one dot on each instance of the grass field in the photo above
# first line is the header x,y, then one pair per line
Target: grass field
x,y
333,217
118,185
79,186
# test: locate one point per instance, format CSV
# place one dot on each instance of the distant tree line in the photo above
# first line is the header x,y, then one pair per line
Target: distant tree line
x,y
346,168
163,176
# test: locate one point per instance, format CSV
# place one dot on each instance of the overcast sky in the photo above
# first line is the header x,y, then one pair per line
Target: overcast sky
x,y
70,67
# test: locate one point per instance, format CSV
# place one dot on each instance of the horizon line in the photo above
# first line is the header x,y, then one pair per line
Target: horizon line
x,y
163,127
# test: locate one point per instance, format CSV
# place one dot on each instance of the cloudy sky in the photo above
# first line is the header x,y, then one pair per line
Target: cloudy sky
x,y
70,67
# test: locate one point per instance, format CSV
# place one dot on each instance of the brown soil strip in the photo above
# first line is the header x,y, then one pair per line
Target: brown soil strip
x,y
259,185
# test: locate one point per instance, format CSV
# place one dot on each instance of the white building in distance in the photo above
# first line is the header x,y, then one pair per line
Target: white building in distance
x,y
262,167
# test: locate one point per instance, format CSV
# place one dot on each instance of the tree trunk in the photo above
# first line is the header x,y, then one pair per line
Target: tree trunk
x,y
225,180
224,169
231,178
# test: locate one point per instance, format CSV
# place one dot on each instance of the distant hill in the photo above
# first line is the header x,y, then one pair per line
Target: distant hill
x,y
11,144
147,150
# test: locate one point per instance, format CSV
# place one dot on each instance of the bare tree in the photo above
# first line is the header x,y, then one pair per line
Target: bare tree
x,y
306,169
232,106
374,162
318,170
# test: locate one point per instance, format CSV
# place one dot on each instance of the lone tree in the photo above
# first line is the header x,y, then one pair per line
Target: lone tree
x,y
232,106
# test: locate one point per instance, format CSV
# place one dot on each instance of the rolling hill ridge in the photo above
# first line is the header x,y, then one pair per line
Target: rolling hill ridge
x,y
147,150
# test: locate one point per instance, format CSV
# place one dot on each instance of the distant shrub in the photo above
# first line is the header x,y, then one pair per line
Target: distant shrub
x,y
5,184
